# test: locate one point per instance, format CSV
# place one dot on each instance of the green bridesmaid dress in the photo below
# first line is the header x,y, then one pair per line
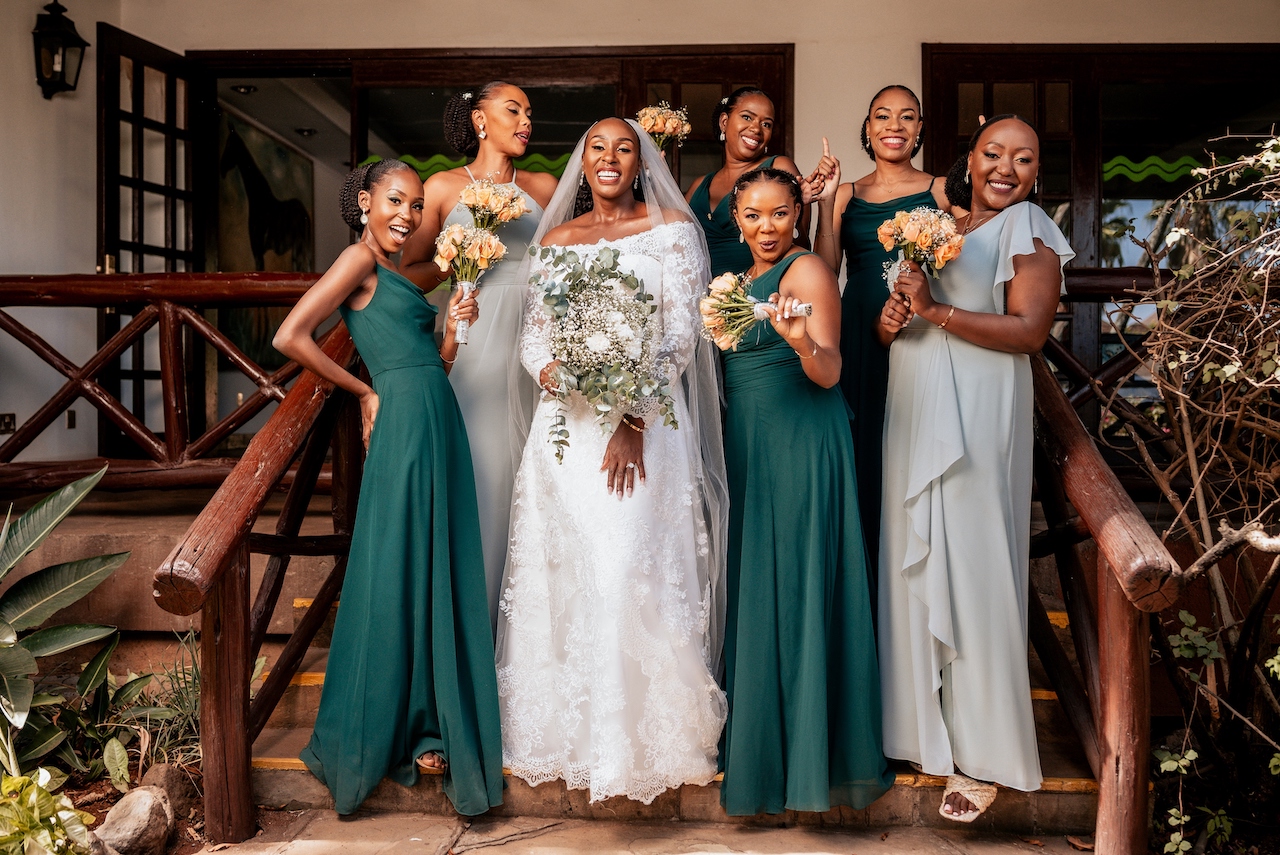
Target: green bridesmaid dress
x,y
865,378
800,656
411,663
728,254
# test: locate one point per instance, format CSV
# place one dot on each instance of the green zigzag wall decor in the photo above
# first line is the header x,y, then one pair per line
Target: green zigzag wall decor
x,y
440,162
1152,167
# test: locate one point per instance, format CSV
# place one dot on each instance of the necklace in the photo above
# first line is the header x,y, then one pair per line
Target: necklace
x,y
969,223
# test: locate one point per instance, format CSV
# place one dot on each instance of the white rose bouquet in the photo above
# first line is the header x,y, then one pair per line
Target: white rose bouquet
x,y
600,320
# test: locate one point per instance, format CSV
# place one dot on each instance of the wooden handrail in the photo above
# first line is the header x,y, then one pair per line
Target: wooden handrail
x,y
1142,565
190,572
201,289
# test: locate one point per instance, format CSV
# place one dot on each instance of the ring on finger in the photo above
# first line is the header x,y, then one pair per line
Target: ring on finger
x,y
631,466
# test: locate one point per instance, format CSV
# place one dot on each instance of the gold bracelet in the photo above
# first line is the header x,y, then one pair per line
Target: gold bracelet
x,y
626,420
810,356
947,320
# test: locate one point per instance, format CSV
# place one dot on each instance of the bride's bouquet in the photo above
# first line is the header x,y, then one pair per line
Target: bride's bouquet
x,y
470,251
728,311
926,236
600,319
664,124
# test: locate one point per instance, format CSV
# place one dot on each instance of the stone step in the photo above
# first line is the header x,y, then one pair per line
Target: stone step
x,y
324,635
1065,804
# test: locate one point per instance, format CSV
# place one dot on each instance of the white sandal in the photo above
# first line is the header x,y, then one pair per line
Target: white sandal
x,y
979,793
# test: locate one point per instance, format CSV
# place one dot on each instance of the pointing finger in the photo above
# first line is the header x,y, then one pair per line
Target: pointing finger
x,y
826,148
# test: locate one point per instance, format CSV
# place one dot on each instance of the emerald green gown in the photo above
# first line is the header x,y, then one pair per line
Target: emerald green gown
x,y
865,378
800,655
728,254
411,662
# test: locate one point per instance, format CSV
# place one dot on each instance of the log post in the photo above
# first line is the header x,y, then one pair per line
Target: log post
x,y
1124,646
229,815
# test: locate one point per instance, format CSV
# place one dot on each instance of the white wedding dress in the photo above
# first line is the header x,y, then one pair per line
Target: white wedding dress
x,y
603,655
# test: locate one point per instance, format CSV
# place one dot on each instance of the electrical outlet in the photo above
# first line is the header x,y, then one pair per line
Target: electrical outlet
x,y
71,419
8,423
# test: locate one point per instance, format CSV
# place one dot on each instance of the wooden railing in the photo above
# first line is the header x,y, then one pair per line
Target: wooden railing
x,y
173,302
1105,695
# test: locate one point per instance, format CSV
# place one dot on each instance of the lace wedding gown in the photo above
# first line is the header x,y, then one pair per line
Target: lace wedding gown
x,y
603,676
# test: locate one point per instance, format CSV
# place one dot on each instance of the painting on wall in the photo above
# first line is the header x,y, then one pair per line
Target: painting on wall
x,y
266,203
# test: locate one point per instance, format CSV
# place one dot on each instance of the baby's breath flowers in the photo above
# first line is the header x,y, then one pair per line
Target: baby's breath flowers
x,y
600,320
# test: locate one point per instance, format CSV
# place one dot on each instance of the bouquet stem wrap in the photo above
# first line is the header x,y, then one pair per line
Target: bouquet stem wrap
x,y
462,331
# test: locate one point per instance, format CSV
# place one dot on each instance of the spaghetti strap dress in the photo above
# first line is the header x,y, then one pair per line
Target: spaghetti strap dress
x,y
800,658
956,527
728,254
481,379
865,377
411,663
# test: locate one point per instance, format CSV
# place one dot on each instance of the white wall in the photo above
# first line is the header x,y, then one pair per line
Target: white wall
x,y
48,210
845,51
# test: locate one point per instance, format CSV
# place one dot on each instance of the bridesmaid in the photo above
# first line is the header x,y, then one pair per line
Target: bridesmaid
x,y
957,481
848,216
410,673
493,124
801,672
745,120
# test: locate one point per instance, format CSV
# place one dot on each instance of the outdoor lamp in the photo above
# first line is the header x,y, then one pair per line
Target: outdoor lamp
x,y
59,51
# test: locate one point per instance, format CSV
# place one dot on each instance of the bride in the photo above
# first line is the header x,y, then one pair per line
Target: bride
x,y
611,622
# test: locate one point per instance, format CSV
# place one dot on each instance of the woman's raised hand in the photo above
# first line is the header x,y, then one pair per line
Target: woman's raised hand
x,y
825,177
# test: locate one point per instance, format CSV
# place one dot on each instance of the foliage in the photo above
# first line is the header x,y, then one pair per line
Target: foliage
x,y
175,729
30,602
33,821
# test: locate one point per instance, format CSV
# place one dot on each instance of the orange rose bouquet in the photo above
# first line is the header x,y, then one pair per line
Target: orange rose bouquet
x,y
926,236
469,251
729,311
493,204
664,124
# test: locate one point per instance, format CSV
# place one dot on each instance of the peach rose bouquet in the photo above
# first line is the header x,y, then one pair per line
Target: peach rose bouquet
x,y
729,311
926,236
493,204
469,251
664,124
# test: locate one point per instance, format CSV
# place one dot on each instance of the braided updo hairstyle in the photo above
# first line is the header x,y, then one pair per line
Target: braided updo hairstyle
x,y
958,188
726,105
365,177
459,131
866,141
768,173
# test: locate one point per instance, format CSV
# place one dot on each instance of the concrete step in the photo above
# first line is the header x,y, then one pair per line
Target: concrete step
x,y
324,635
1065,804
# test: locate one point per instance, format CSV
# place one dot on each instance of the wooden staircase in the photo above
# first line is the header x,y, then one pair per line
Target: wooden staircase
x,y
1066,804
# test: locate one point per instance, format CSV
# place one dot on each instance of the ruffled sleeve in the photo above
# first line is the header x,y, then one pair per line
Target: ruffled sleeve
x,y
1025,223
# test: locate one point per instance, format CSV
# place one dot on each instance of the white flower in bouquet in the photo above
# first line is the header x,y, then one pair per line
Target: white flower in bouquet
x,y
600,317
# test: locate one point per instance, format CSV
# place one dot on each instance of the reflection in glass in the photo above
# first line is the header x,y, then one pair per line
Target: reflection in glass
x,y
970,106
1057,108
1017,98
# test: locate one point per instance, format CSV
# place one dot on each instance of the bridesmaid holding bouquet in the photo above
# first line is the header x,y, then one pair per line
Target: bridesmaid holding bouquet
x,y
493,123
410,683
801,673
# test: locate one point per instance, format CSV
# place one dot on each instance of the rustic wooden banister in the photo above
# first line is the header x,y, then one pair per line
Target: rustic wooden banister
x,y
204,289
189,573
1143,566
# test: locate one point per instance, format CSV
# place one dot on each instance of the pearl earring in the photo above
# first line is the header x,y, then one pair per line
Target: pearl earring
x,y
364,217
742,238
481,134
795,232
722,136
966,176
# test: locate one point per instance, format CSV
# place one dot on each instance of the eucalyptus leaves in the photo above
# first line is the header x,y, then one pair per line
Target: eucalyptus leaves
x,y
600,317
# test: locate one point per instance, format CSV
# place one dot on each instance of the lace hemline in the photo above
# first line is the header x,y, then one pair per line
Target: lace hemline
x,y
640,788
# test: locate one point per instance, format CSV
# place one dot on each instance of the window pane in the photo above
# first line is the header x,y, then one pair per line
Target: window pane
x,y
970,107
701,99
1018,98
655,92
126,214
126,84
1057,108
180,164
126,149
153,94
153,156
180,92
153,220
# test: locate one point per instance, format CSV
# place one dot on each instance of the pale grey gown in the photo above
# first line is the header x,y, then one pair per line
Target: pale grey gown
x,y
481,379
955,532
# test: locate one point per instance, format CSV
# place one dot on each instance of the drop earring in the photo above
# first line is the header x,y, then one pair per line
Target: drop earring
x,y
635,185
795,232
1035,188
722,136
966,176
742,238
364,217
481,134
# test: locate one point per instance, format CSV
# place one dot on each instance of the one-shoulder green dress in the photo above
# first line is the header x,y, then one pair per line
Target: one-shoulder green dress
x,y
865,377
728,253
800,656
411,663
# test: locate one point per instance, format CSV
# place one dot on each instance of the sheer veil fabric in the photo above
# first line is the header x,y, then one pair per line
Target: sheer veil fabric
x,y
701,431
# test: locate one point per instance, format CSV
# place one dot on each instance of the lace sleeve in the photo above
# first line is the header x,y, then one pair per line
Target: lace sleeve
x,y
535,348
682,284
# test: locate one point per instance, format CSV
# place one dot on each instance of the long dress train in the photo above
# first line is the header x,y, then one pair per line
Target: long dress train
x,y
411,662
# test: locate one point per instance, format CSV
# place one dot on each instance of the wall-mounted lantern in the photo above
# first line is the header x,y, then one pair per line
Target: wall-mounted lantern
x,y
59,51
